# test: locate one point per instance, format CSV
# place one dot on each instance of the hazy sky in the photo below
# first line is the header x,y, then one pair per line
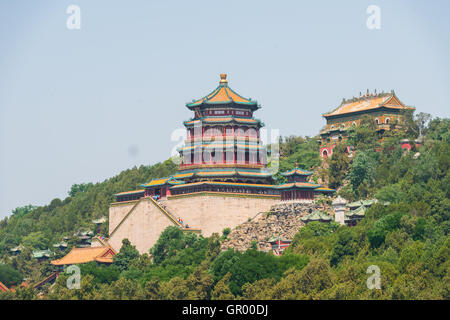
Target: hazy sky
x,y
82,105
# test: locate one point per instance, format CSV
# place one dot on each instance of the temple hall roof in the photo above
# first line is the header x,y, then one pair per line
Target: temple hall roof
x,y
99,220
357,212
316,216
84,255
324,189
162,181
61,244
223,94
368,102
298,185
38,254
129,192
274,239
19,248
359,203
297,171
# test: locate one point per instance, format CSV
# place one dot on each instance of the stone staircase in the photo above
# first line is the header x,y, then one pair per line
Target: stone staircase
x,y
161,204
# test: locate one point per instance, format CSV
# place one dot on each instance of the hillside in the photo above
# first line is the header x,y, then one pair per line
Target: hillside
x,y
41,227
408,239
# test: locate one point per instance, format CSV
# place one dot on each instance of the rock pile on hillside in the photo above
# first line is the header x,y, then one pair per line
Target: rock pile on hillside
x,y
282,219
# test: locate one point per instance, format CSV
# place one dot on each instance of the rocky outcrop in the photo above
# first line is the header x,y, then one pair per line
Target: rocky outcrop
x,y
282,219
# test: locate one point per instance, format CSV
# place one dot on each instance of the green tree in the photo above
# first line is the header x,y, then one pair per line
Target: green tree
x,y
362,172
377,234
101,274
152,290
123,289
364,136
222,291
339,164
77,188
9,276
346,245
126,255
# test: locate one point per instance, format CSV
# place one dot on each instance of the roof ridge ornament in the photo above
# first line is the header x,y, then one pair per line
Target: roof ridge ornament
x,y
223,78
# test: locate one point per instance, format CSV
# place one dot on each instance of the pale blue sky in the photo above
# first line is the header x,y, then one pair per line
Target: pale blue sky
x,y
73,103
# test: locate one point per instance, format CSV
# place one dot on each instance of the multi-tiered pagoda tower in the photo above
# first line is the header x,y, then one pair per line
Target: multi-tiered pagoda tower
x,y
223,139
223,151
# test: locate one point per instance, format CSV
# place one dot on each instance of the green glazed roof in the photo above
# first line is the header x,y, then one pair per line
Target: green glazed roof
x,y
357,212
298,172
316,215
297,185
42,253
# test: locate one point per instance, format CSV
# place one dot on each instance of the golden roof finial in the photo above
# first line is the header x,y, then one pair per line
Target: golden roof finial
x,y
223,78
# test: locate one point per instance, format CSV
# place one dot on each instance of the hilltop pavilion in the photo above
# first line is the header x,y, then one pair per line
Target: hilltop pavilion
x,y
386,109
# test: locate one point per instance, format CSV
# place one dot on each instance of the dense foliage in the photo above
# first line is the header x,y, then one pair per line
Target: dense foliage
x,y
406,238
41,227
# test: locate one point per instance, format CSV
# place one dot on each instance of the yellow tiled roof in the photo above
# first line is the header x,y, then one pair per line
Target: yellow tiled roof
x,y
129,192
368,103
183,175
324,189
222,94
84,255
249,173
159,181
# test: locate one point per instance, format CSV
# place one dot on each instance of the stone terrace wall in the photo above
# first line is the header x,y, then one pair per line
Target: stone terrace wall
x,y
213,213
284,218
210,213
118,211
142,226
